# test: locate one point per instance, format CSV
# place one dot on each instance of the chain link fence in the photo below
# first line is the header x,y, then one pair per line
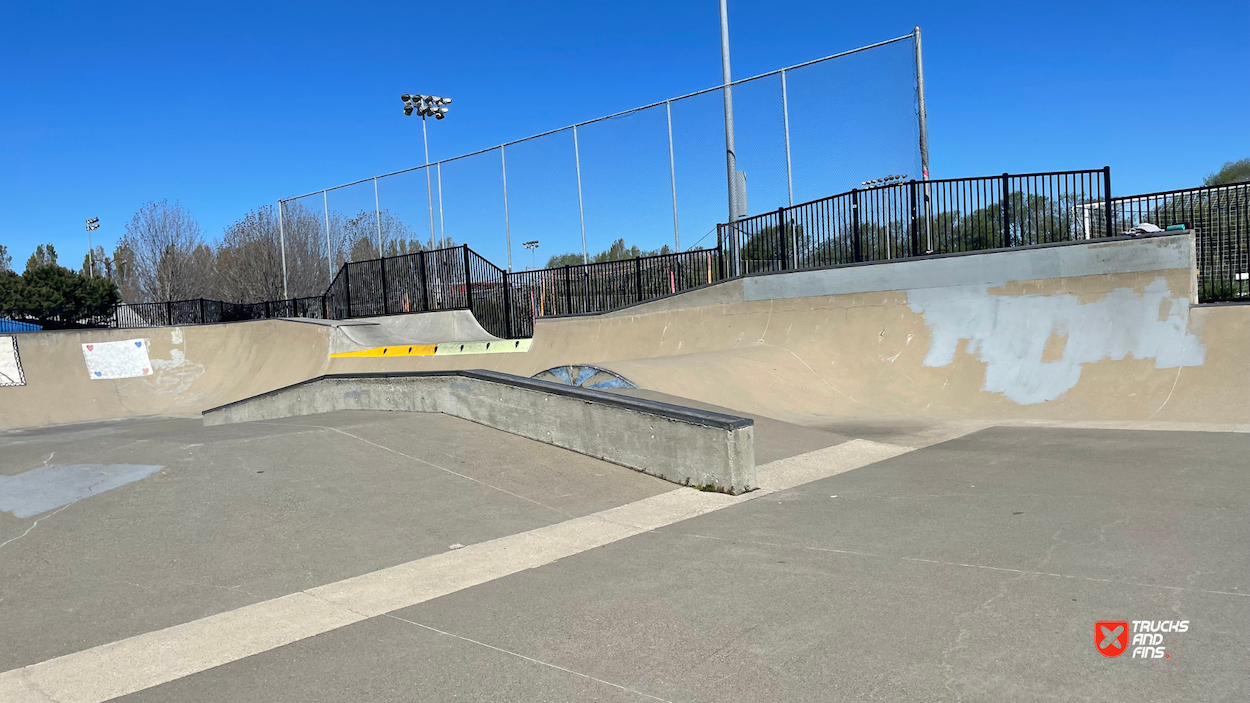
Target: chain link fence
x,y
654,176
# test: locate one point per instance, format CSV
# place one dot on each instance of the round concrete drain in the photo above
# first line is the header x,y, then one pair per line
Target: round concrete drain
x,y
584,376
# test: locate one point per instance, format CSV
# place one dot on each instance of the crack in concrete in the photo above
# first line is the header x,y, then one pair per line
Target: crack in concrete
x,y
35,524
938,562
441,468
532,660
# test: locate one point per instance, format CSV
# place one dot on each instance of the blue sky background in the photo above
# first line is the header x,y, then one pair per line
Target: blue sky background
x,y
226,107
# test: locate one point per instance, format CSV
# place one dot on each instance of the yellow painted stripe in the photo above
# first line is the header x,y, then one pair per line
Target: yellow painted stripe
x,y
406,350
501,346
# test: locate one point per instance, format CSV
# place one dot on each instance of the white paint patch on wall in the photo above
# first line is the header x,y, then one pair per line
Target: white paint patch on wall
x,y
126,359
10,363
1010,333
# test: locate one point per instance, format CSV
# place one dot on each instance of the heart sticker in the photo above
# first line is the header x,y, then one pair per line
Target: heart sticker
x,y
138,344
145,371
97,373
90,347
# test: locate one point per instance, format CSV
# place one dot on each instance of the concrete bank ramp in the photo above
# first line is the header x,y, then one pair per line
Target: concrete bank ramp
x,y
170,371
688,446
1106,330
439,327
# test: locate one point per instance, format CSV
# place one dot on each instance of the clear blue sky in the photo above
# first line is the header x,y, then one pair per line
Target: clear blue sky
x,y
226,107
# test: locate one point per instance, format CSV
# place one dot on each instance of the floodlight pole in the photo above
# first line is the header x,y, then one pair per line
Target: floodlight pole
x,y
924,141
92,223
429,194
731,161
581,212
282,244
325,203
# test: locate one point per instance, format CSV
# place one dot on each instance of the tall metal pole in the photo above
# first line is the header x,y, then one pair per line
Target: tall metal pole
x,y
581,213
672,173
731,160
507,230
785,118
325,203
429,195
924,141
442,225
282,244
377,211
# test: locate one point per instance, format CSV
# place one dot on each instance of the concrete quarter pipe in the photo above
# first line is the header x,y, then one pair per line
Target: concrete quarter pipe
x,y
1099,331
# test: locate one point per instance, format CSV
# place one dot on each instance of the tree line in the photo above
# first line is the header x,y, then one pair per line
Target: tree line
x,y
165,256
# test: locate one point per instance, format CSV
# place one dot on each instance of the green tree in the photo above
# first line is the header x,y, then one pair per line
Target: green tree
x,y
618,251
11,289
1232,172
51,293
44,255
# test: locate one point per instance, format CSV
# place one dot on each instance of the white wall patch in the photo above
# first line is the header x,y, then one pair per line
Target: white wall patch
x,y
126,359
1009,333
10,363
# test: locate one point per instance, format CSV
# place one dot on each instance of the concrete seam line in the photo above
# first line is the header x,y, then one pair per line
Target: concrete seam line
x,y
150,659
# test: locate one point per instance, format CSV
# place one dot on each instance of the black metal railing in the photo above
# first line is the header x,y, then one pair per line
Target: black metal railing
x,y
883,223
1220,217
915,218
609,285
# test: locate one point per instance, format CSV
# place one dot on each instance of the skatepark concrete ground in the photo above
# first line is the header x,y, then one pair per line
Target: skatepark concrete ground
x,y
929,561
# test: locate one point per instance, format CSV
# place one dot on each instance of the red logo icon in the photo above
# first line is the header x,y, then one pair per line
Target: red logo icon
x,y
1111,637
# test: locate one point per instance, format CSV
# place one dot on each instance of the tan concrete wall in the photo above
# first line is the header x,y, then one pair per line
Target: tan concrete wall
x,y
193,368
1107,346
1120,343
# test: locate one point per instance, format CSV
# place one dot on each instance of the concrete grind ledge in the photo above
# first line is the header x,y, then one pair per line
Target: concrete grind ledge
x,y
687,446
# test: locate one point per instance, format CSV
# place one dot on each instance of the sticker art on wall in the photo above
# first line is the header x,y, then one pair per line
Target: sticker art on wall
x,y
126,359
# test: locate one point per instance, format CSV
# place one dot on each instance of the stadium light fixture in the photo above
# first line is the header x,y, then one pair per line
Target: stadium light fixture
x,y
427,106
93,223
885,180
531,245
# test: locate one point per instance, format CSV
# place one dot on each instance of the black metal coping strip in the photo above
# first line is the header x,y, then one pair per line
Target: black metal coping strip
x,y
680,413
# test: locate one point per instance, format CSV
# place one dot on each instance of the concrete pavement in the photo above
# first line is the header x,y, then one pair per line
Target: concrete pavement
x,y
971,569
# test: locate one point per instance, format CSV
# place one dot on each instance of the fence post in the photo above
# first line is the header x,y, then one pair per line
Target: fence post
x,y
720,254
781,237
202,320
169,312
568,292
325,307
914,234
855,248
347,289
468,279
638,278
425,282
1106,196
1006,188
268,313
386,306
507,304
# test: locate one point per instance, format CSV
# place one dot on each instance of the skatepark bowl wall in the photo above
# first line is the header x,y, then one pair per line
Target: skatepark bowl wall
x,y
1099,330
1104,330
690,447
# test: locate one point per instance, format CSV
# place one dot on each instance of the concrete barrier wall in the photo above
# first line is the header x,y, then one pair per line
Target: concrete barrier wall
x,y
1105,330
1100,331
683,445
193,367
